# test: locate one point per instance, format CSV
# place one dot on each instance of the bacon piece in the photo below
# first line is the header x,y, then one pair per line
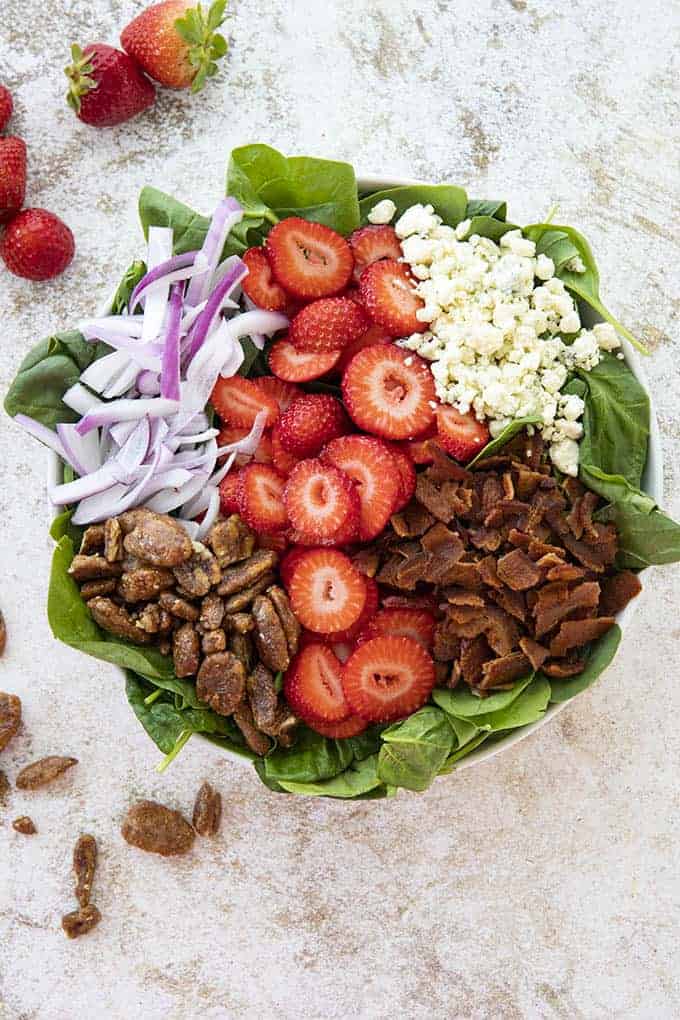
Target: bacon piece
x,y
473,654
556,601
618,590
576,633
518,571
536,653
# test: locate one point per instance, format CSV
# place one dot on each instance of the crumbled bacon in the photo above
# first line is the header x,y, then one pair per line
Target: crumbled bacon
x,y
518,571
618,590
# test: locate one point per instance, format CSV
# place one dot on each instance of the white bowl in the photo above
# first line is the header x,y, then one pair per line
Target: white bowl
x,y
652,482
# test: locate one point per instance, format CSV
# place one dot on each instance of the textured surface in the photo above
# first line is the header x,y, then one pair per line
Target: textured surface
x,y
541,885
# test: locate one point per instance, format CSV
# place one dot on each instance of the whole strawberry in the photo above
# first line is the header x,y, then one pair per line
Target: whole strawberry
x,y
176,42
105,86
37,245
12,176
6,107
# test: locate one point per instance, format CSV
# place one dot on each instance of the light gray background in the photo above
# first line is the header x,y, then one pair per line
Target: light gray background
x,y
541,885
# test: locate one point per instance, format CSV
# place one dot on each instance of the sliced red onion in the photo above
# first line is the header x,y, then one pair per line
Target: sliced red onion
x,y
200,437
248,444
190,316
170,368
169,500
82,452
224,219
222,472
44,434
175,478
112,326
232,359
81,488
149,383
97,507
211,512
160,250
126,410
220,294
131,455
178,267
80,399
105,371
123,382
259,339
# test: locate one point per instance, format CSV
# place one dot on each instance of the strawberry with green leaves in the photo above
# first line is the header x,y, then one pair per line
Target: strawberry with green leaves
x,y
176,42
105,86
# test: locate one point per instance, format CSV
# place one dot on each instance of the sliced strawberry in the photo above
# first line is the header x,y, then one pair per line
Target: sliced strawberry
x,y
238,400
389,392
284,393
321,501
351,727
260,285
417,624
230,487
329,324
370,244
310,422
407,474
313,685
231,434
388,678
372,467
261,498
289,563
418,449
292,365
327,593
461,435
389,297
370,609
375,336
281,459
309,259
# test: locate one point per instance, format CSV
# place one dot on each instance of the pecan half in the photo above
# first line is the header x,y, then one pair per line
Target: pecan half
x,y
144,583
207,811
93,568
199,574
157,829
186,650
43,771
113,540
221,682
270,637
116,620
231,541
246,574
158,539
10,717
212,612
177,606
289,621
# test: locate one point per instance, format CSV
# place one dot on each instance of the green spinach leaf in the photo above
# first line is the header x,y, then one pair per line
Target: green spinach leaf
x,y
156,209
311,759
527,708
508,433
449,201
358,779
647,536
126,286
414,750
601,654
465,705
488,226
486,207
47,371
462,752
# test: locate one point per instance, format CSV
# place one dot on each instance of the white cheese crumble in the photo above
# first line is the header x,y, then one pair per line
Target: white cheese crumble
x,y
382,212
496,314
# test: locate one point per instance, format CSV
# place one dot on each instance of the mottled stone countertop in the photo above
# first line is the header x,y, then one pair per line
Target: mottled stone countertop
x,y
542,885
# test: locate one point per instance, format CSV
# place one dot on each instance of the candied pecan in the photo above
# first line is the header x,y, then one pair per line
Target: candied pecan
x,y
157,829
84,864
535,653
93,567
212,612
186,650
221,682
411,522
90,589
243,647
238,602
289,621
158,539
367,562
178,607
258,742
5,788
564,668
518,571
113,540
556,601
43,771
149,618
144,583
199,574
93,538
80,922
213,641
270,637
504,670
263,697
165,646
474,653
618,590
231,541
576,633
116,620
240,623
10,717
207,810
246,574
166,621
24,825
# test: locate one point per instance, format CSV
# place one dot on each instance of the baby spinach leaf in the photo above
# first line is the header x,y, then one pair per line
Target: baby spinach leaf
x,y
61,525
464,731
311,759
45,374
601,654
156,209
462,703
527,708
488,226
462,752
130,280
414,750
508,433
448,200
359,778
486,207
647,536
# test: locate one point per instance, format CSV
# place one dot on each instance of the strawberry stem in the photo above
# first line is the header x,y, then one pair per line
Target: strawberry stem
x,y
79,75
206,45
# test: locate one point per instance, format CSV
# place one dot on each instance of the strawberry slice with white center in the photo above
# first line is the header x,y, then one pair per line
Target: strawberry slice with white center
x,y
373,469
238,401
313,685
350,635
295,366
388,295
321,501
461,435
417,624
309,259
327,593
260,285
283,392
351,727
289,563
260,497
375,336
230,487
370,244
407,474
388,678
389,392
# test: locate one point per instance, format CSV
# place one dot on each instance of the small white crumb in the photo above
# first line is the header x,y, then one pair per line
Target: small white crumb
x,y
382,212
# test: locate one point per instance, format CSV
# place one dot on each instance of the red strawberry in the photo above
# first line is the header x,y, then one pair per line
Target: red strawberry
x,y
292,365
230,487
283,392
282,460
106,87
12,176
328,324
388,294
351,727
231,434
417,624
371,466
418,449
407,474
37,245
327,593
313,685
321,501
260,285
350,635
371,244
388,678
290,562
260,497
461,435
309,259
389,392
238,401
310,422
175,42
6,107
375,336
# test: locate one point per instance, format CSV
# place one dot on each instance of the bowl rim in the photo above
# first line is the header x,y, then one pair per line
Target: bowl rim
x,y
652,483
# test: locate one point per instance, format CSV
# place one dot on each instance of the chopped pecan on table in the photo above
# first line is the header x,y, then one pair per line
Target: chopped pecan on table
x,y
116,619
81,921
24,825
44,771
186,650
84,865
207,811
221,682
10,717
157,829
